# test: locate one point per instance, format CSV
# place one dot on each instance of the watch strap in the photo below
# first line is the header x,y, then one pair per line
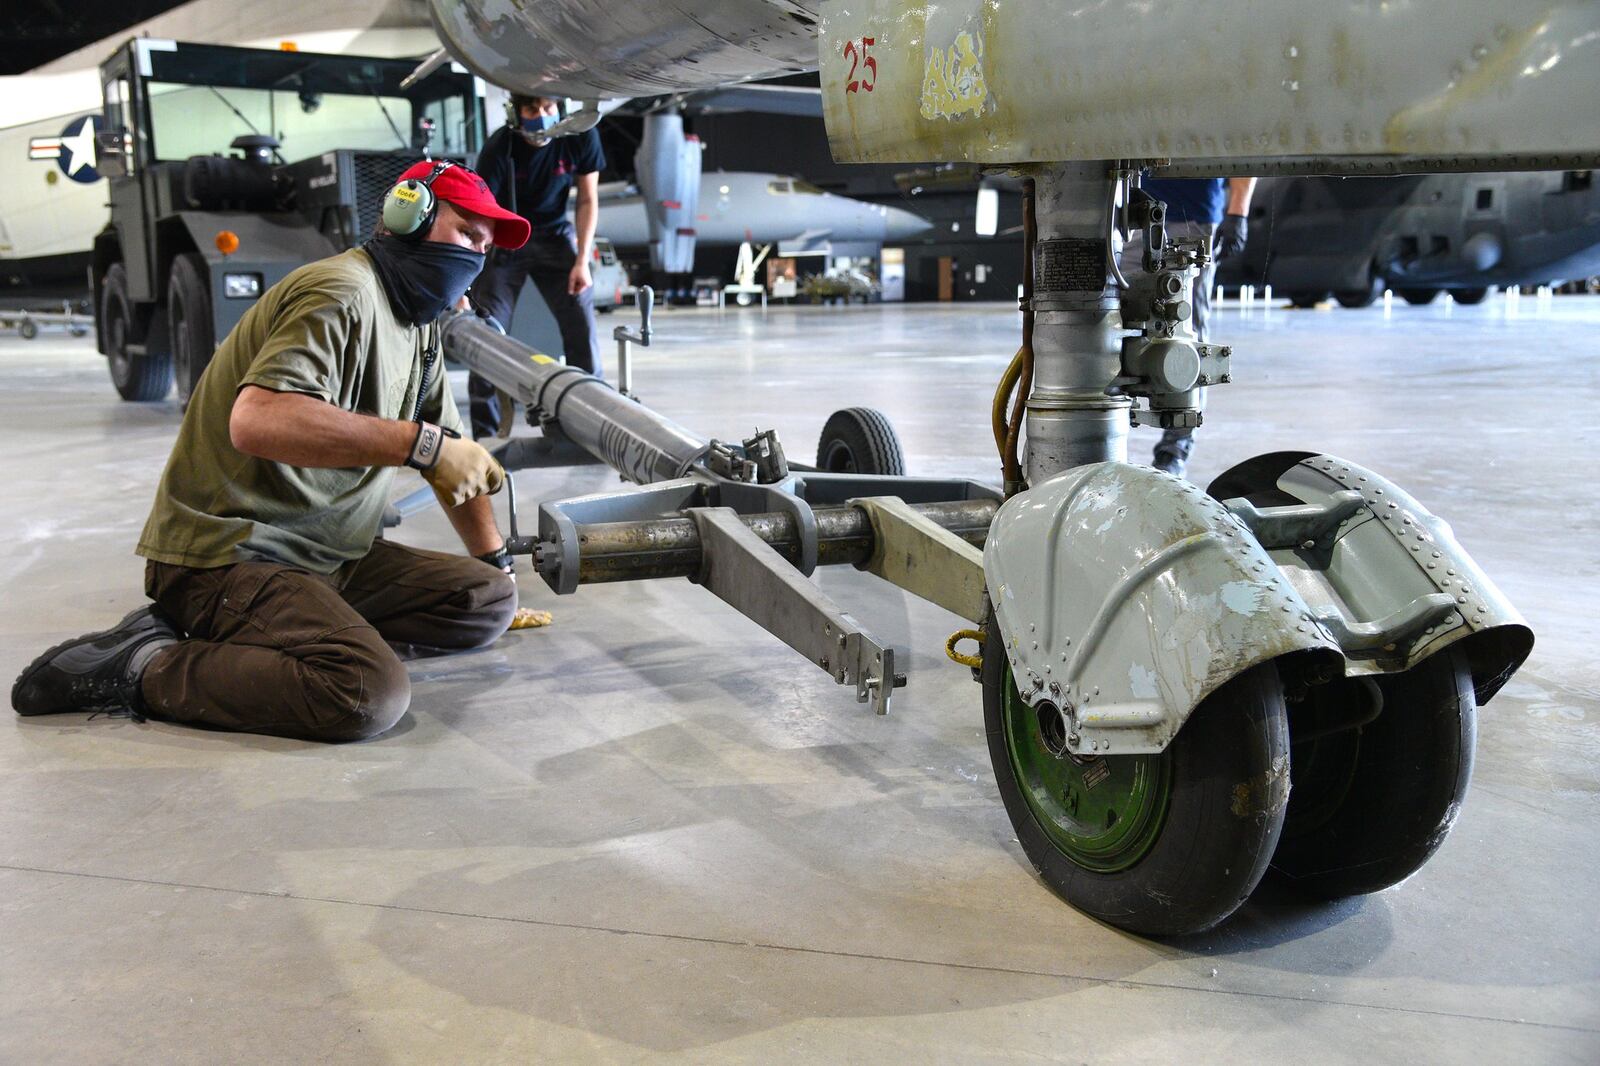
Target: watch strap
x,y
500,559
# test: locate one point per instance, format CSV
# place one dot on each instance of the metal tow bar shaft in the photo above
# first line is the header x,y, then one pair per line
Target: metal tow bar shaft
x,y
737,519
633,440
672,546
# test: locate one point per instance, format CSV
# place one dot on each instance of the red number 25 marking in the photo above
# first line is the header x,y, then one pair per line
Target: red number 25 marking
x,y
859,52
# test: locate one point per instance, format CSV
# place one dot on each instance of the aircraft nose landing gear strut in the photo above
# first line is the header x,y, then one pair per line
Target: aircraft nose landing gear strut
x,y
1161,665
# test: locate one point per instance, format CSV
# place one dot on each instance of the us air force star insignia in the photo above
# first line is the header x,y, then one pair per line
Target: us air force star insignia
x,y
78,148
75,151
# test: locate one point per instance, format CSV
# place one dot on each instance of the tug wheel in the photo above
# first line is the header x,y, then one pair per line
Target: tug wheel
x,y
1160,845
1372,803
189,322
137,377
860,440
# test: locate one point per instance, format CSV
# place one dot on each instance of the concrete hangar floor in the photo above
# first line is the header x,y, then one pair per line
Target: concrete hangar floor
x,y
652,832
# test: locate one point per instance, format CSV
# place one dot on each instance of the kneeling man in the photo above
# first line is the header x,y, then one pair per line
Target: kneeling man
x,y
275,603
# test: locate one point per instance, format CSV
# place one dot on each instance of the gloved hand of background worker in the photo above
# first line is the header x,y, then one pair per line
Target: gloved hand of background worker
x,y
1232,235
464,469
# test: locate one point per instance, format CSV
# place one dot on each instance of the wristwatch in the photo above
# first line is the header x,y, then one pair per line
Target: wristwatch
x,y
500,559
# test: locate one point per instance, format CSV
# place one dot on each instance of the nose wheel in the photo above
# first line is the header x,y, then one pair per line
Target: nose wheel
x,y
1373,803
1163,844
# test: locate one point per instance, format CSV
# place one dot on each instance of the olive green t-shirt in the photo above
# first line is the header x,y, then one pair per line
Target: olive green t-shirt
x,y
327,330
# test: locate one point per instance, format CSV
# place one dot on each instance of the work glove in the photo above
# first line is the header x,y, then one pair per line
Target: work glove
x,y
458,469
1232,235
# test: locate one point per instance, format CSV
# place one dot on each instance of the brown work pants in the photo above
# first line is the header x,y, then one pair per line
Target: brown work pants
x,y
280,650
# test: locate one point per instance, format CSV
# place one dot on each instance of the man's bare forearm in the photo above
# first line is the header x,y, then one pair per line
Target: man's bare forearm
x,y
300,430
585,217
1239,192
474,524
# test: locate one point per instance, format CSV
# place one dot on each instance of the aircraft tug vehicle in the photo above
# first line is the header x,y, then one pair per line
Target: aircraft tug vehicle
x,y
195,236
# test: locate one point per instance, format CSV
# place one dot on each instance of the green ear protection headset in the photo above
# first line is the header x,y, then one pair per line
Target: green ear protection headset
x,y
410,207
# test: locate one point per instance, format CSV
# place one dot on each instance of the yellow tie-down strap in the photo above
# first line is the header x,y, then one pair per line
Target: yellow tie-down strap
x,y
974,635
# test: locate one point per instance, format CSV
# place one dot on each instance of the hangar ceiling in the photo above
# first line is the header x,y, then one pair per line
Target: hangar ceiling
x,y
35,32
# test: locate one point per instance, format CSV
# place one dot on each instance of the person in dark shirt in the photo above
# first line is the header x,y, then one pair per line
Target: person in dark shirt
x,y
533,177
1214,208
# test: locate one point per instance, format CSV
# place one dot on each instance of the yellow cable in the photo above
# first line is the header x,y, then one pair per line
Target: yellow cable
x,y
1002,397
975,635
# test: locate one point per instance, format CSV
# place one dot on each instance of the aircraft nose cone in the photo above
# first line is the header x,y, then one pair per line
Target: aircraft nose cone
x,y
899,225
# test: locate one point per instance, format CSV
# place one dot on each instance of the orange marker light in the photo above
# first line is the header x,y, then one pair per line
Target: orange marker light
x,y
227,241
288,46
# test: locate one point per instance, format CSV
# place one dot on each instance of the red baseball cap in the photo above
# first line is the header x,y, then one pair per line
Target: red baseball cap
x,y
469,192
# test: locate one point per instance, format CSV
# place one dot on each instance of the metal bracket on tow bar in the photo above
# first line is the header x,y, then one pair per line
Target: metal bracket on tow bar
x,y
745,572
924,558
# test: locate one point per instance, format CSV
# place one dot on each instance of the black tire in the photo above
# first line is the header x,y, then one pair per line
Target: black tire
x,y
860,440
1307,299
1358,298
139,378
1468,296
27,329
1372,804
1224,804
1418,297
189,322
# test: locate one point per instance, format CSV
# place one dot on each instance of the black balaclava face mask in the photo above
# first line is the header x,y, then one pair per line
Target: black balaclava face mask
x,y
423,278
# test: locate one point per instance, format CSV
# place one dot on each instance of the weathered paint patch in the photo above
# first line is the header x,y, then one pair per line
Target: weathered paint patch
x,y
1243,597
952,81
1143,682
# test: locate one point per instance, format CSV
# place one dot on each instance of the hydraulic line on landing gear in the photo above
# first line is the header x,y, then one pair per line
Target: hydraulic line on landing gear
x,y
1018,375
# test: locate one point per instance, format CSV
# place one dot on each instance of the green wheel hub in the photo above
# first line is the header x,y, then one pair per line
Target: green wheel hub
x,y
1103,813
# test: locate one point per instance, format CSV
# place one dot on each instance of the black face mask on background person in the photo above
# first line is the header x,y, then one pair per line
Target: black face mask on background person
x,y
423,278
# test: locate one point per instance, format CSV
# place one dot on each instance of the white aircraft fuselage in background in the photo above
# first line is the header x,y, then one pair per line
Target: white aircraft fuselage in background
x,y
764,209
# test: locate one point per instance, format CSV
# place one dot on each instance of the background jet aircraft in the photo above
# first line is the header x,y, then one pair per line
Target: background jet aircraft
x,y
764,209
1354,237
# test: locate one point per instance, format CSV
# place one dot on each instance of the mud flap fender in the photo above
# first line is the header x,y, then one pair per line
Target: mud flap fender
x,y
1124,597
1383,574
